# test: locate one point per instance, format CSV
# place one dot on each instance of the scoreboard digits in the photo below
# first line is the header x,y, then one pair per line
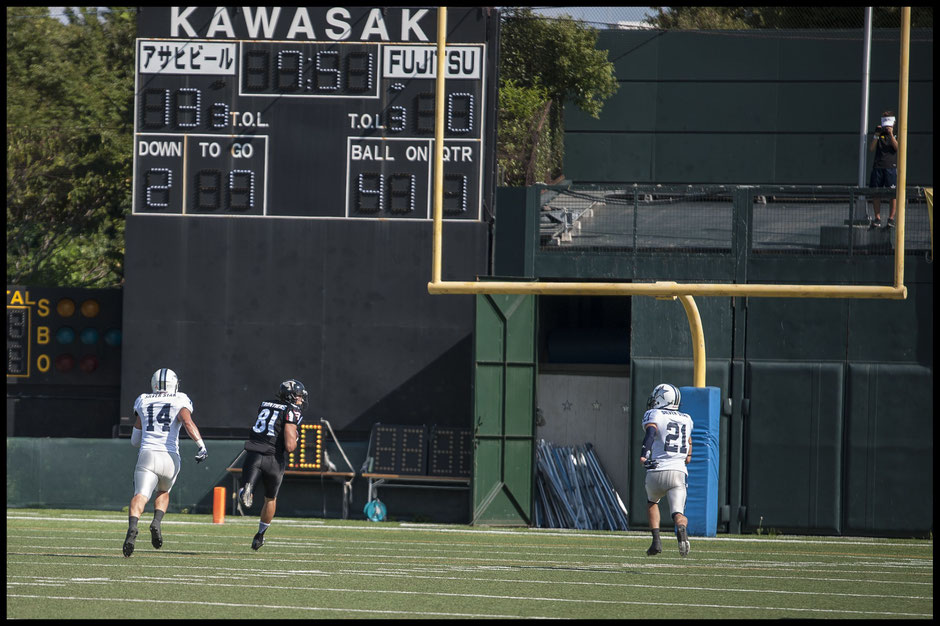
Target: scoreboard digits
x,y
450,452
310,112
18,334
399,449
422,451
308,455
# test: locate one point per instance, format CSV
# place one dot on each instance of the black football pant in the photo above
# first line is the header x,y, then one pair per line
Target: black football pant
x,y
270,469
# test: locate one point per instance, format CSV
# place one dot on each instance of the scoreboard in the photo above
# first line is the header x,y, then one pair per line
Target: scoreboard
x,y
421,450
309,452
63,336
311,112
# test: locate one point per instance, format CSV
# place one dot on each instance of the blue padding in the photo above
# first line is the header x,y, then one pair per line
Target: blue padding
x,y
703,404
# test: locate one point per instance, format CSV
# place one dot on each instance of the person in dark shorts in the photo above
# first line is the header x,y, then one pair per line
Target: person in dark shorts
x,y
884,171
273,435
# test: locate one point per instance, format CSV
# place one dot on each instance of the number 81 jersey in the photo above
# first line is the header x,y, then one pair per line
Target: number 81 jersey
x,y
267,433
158,413
672,440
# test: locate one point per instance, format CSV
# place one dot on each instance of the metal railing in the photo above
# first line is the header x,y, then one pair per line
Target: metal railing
x,y
801,220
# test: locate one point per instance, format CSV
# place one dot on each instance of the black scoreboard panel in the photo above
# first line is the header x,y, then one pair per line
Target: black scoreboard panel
x,y
311,112
360,331
64,336
399,449
308,455
450,451
312,130
422,450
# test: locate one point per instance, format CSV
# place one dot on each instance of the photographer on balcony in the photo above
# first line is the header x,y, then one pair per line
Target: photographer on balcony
x,y
884,171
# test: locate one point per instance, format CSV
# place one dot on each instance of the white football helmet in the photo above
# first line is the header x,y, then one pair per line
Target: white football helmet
x,y
165,381
664,396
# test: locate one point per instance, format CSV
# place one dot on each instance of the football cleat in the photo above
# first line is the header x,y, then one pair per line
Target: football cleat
x,y
129,541
156,537
245,496
654,549
683,537
664,396
258,541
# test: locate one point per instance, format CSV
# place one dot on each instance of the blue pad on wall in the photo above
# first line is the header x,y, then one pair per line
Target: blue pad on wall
x,y
703,404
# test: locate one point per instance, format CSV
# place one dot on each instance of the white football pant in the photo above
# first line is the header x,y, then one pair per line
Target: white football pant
x,y
669,483
155,470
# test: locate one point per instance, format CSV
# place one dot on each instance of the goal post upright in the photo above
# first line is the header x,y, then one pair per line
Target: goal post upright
x,y
670,289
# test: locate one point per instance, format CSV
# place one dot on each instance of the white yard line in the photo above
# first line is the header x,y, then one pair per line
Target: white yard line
x,y
500,561
374,612
619,535
402,571
384,612
203,580
378,558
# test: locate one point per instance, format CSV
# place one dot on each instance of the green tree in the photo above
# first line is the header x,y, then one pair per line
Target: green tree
x,y
689,18
740,18
69,139
542,64
523,150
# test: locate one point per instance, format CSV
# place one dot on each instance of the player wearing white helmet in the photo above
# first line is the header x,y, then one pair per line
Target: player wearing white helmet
x,y
666,450
156,432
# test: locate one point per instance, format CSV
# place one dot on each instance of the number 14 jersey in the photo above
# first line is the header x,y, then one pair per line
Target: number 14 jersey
x,y
159,423
672,440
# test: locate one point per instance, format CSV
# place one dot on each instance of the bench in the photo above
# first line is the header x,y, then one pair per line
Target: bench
x,y
345,477
417,456
556,224
415,481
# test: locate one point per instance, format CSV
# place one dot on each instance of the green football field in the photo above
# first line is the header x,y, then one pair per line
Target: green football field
x,y
68,564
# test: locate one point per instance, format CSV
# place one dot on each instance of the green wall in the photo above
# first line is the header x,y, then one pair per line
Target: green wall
x,y
827,404
829,418
99,473
505,377
747,107
67,473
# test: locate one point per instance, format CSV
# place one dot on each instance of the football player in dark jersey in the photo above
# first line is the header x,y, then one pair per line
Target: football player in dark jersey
x,y
273,435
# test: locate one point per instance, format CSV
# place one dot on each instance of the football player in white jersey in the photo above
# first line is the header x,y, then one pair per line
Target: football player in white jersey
x,y
667,449
156,431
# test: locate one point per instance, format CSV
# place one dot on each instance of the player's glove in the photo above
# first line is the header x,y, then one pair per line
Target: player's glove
x,y
650,464
202,455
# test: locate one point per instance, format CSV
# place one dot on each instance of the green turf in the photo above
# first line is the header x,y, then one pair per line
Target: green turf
x,y
68,564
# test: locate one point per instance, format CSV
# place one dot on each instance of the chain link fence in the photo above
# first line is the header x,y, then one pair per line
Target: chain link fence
x,y
801,220
793,220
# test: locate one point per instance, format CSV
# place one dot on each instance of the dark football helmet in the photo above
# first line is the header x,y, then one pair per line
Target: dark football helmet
x,y
293,392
